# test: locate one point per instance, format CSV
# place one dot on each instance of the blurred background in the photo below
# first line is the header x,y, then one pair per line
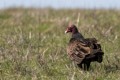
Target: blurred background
x,y
33,43
92,4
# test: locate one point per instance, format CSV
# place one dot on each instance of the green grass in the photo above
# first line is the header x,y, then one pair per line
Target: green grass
x,y
33,44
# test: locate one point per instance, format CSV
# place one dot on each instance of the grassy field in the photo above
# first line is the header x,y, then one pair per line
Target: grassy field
x,y
33,44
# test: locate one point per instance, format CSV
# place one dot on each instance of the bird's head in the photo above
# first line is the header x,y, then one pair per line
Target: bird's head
x,y
71,29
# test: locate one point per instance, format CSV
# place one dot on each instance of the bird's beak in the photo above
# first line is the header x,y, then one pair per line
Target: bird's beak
x,y
66,31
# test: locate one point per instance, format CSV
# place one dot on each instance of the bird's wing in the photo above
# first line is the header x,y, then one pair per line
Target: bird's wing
x,y
77,50
94,45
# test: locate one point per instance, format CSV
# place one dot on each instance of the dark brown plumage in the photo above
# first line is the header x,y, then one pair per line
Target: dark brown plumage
x,y
82,50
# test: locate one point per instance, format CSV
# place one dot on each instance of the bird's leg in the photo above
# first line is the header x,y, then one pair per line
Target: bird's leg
x,y
80,65
86,65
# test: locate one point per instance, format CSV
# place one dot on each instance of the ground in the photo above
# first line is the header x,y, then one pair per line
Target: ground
x,y
33,44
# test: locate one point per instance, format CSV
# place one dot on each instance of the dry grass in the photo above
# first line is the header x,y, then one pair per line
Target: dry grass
x,y
33,44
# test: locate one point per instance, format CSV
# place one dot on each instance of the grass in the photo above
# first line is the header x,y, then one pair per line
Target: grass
x,y
33,44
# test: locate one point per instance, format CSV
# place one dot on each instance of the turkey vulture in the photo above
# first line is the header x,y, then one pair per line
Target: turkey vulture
x,y
82,50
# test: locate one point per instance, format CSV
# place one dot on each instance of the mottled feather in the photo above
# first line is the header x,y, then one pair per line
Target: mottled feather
x,y
83,50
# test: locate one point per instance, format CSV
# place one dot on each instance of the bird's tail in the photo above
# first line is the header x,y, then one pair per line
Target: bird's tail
x,y
99,56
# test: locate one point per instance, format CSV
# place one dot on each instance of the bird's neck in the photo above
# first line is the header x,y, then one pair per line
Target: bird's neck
x,y
77,35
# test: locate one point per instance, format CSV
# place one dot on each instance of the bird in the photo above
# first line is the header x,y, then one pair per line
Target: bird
x,y
83,50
